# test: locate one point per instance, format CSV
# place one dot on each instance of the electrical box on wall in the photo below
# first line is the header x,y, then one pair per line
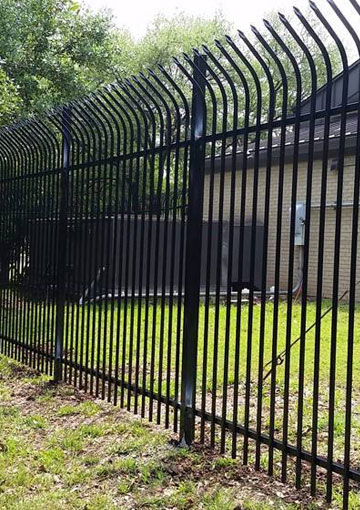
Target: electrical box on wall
x,y
299,239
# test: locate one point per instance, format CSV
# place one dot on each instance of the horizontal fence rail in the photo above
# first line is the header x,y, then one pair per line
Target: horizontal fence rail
x,y
184,243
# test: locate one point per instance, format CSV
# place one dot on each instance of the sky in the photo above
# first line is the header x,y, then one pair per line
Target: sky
x,y
137,14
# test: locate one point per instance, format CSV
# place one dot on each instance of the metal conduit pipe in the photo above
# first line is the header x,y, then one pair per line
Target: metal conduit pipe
x,y
299,280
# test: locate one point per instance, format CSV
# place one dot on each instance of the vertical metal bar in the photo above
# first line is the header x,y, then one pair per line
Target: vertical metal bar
x,y
36,130
62,237
280,194
207,247
79,255
106,238
234,142
133,139
2,233
309,183
134,212
89,260
294,184
38,229
143,184
193,254
2,187
164,162
31,166
5,275
53,226
269,129
150,161
186,128
127,136
353,282
41,217
11,221
28,168
177,120
116,140
156,203
220,251
93,257
337,246
13,218
321,246
254,199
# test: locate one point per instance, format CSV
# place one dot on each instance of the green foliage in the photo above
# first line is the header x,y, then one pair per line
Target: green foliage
x,y
10,101
169,37
55,50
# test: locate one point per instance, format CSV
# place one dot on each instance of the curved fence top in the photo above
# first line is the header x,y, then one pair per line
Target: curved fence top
x,y
263,80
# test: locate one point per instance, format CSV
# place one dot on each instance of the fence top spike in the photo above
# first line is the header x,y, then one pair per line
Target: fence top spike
x,y
228,39
254,29
313,5
267,23
297,11
242,35
282,16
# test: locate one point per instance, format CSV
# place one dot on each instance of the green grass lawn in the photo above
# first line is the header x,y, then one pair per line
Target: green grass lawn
x,y
62,449
96,333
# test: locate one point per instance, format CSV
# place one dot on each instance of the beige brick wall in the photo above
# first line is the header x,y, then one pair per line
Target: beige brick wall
x,y
328,225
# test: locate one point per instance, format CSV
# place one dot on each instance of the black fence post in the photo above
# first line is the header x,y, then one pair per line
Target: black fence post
x,y
62,236
193,253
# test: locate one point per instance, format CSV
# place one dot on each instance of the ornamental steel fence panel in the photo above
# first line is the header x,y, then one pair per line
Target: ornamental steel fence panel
x,y
184,243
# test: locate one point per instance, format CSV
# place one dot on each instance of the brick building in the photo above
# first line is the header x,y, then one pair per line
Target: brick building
x,y
320,156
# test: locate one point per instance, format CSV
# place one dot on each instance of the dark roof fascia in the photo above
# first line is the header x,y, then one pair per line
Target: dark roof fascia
x,y
303,148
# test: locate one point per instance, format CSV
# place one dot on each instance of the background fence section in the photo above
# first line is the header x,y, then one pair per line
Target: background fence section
x,y
185,243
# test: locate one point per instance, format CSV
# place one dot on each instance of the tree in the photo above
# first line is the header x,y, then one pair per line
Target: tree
x,y
10,100
55,50
170,37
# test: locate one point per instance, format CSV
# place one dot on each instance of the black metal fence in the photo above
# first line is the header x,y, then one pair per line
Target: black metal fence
x,y
185,242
